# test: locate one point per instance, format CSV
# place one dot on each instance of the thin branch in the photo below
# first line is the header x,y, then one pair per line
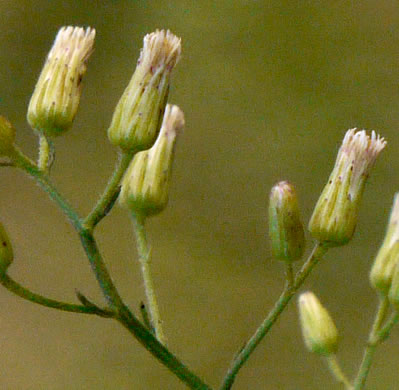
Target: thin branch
x,y
145,262
274,314
108,198
372,345
24,293
337,372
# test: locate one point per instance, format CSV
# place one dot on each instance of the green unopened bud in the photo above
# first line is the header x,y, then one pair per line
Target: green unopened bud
x,y
138,115
7,137
55,100
318,328
388,255
145,187
285,226
334,218
6,252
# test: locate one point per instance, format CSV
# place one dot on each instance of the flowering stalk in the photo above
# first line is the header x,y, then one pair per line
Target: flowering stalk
x,y
145,193
145,262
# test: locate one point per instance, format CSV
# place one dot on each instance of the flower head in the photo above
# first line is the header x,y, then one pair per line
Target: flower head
x,y
56,97
285,226
388,255
138,116
145,187
318,328
334,218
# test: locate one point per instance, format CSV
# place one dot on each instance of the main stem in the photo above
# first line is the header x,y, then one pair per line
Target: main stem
x,y
272,317
145,262
372,344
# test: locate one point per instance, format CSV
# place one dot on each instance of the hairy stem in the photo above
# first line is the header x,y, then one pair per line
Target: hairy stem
x,y
287,294
145,262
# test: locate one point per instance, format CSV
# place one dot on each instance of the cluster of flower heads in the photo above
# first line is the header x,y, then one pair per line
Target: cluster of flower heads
x,y
332,224
143,125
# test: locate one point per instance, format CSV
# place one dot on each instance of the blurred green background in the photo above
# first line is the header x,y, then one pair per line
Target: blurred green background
x,y
268,89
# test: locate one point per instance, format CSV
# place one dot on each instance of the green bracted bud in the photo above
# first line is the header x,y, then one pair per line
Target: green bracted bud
x,y
285,226
6,252
7,137
334,218
55,100
388,256
318,328
138,116
145,186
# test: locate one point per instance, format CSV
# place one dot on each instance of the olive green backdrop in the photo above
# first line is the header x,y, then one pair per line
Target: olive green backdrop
x,y
268,89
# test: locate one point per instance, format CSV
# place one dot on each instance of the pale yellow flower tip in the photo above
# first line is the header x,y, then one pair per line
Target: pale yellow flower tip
x,y
56,97
161,48
334,218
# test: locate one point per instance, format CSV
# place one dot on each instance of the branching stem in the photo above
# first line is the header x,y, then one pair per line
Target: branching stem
x,y
287,294
120,310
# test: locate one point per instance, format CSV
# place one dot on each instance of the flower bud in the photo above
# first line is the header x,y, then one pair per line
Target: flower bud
x,y
318,329
334,218
145,186
6,252
138,115
388,255
285,226
55,99
7,137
